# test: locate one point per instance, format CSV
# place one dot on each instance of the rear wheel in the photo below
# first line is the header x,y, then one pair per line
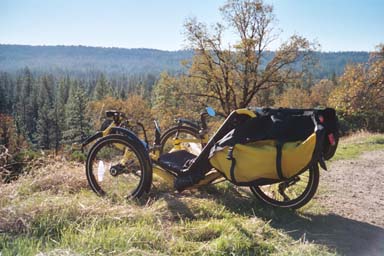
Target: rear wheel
x,y
292,193
189,140
118,168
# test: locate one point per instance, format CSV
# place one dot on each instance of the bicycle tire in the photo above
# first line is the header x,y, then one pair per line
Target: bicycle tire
x,y
111,141
298,202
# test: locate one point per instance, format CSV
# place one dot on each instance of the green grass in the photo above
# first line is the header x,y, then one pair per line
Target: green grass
x,y
351,147
64,227
51,211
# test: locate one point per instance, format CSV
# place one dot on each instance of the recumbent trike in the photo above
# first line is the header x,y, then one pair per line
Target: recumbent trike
x,y
274,152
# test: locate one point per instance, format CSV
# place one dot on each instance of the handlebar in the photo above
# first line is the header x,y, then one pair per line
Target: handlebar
x,y
118,117
114,113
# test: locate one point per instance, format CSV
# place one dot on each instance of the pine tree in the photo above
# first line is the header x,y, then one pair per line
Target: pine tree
x,y
122,93
334,78
103,88
2,97
57,125
63,90
26,105
6,93
76,121
58,112
10,94
45,133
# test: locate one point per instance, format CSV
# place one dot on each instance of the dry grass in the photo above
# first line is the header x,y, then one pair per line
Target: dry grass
x,y
60,177
358,137
59,188
51,211
353,145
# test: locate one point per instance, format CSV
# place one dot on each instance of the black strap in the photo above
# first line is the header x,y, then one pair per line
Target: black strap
x,y
232,171
279,151
233,163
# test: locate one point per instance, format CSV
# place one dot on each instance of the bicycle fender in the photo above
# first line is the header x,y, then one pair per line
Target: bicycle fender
x,y
92,138
131,136
188,122
114,130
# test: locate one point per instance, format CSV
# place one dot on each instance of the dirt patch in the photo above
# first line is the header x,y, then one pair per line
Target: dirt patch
x,y
353,194
355,188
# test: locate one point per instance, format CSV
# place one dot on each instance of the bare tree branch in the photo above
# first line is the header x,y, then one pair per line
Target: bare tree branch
x,y
237,73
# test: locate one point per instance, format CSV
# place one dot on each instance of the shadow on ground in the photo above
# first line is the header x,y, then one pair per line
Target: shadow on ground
x,y
345,236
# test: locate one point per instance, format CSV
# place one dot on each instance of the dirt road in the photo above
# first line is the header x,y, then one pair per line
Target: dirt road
x,y
355,188
353,194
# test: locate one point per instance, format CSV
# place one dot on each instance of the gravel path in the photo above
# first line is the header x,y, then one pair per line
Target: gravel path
x,y
355,188
354,198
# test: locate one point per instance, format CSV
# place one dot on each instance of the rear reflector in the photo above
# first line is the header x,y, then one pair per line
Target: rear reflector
x,y
331,139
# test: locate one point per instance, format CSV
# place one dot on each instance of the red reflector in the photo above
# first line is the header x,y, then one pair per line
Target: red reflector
x,y
321,119
331,139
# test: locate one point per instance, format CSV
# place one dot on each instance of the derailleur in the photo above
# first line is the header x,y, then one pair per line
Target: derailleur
x,y
284,185
118,169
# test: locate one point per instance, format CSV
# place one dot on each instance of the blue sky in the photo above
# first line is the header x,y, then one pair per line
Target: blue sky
x,y
338,25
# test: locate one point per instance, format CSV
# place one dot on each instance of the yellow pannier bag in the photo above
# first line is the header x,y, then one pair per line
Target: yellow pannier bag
x,y
257,160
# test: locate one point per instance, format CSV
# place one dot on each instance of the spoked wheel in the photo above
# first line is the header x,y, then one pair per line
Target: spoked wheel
x,y
189,140
117,168
293,193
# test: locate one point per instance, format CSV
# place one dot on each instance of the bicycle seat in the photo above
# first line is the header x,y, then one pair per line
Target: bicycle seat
x,y
175,161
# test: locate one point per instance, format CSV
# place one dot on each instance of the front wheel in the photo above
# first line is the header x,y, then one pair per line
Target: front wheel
x,y
292,193
118,168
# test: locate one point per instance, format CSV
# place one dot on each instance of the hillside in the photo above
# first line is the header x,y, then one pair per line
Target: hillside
x,y
80,59
52,211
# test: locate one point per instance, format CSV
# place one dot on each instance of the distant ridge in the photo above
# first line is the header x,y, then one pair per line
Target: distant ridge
x,y
79,59
113,60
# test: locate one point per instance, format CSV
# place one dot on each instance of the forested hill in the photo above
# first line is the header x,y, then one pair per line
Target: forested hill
x,y
79,59
82,59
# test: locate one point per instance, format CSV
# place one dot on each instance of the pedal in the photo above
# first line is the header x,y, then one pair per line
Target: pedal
x,y
187,180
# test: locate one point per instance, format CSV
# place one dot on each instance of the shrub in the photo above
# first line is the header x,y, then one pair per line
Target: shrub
x,y
78,156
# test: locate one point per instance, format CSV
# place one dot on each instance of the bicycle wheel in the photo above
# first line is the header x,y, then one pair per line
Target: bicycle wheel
x,y
293,193
188,136
117,168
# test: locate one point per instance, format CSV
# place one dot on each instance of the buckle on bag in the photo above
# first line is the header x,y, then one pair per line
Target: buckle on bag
x,y
230,153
